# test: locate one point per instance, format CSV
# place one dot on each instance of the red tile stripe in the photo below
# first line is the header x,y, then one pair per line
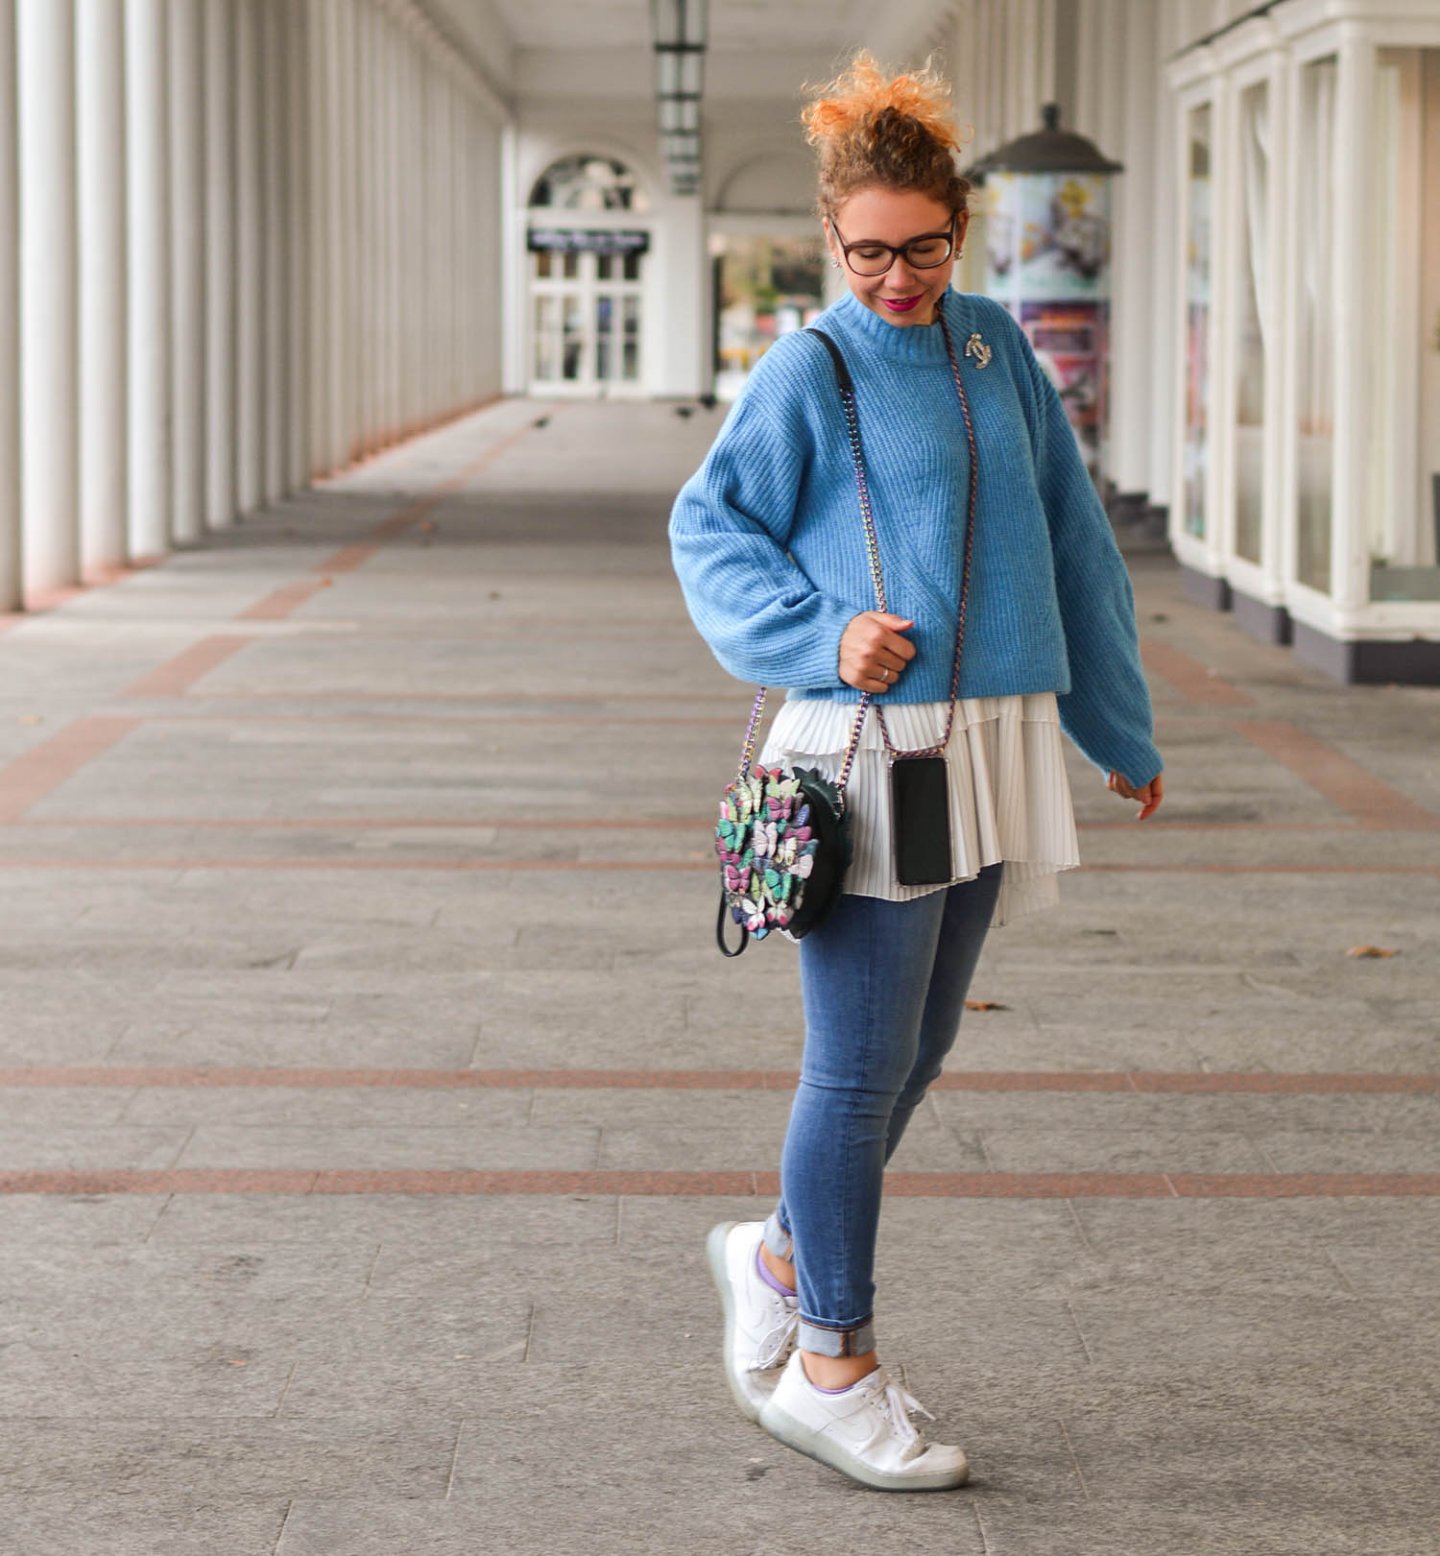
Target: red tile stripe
x,y
178,675
277,605
636,866
41,770
345,560
1145,1082
176,678
924,1185
1341,780
380,450
348,558
567,823
1193,680
388,823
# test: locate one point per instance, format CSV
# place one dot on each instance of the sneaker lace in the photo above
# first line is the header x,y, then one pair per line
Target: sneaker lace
x,y
896,1405
778,1340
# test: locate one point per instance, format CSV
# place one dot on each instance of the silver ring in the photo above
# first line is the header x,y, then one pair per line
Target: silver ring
x,y
885,674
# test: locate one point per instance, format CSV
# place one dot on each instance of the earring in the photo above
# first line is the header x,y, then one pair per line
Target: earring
x,y
834,264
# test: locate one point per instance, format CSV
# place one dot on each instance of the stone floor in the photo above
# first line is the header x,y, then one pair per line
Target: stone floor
x,y
368,1078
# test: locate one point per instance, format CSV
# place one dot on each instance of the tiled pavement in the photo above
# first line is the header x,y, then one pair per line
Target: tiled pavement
x,y
368,1079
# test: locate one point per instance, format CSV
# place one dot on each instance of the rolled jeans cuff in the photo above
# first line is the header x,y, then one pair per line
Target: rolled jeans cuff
x,y
777,1239
820,1341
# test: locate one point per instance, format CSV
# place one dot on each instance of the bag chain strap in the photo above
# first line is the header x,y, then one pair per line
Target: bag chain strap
x,y
872,551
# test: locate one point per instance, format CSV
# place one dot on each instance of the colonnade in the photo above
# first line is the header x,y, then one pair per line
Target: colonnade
x,y
243,243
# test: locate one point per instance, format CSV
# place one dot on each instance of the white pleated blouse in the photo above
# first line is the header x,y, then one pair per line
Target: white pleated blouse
x,y
1009,793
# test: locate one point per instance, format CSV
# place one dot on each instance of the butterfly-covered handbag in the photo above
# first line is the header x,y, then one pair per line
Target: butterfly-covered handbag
x,y
784,844
783,837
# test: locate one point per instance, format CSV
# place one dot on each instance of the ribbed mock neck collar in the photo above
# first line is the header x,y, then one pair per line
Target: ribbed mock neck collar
x,y
914,343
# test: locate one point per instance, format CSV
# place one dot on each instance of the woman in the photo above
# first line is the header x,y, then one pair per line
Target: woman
x,y
770,551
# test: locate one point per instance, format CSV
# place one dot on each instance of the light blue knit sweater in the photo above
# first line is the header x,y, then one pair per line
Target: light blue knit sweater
x,y
770,552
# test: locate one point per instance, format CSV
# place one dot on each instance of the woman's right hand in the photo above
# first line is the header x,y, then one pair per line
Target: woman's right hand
x,y
873,655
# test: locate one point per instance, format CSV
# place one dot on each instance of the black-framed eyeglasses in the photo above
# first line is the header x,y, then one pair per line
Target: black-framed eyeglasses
x,y
924,252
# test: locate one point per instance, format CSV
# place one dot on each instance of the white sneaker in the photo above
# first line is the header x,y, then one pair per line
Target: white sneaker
x,y
865,1433
760,1324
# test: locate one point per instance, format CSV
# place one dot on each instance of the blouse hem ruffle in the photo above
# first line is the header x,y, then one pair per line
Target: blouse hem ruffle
x,y
1009,792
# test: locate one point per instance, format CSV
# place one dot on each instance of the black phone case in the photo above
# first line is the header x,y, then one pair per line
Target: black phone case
x,y
920,820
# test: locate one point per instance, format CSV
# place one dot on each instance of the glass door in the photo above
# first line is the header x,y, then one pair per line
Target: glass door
x,y
586,313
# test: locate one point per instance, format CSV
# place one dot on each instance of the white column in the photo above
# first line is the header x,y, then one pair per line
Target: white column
x,y
336,279
219,264
964,71
148,279
187,268
1046,74
49,294
462,183
348,356
1164,306
1088,44
297,47
454,256
1135,255
274,137
439,251
515,370
1355,159
1020,20
435,251
389,233
10,507
366,227
372,215
250,258
100,152
487,273
413,184
321,278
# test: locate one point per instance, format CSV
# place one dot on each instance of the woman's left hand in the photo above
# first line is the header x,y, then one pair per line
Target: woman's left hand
x,y
1149,797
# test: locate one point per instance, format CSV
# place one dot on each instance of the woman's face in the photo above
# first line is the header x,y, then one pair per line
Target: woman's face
x,y
905,294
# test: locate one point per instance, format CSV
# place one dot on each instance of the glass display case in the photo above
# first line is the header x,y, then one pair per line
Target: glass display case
x,y
1254,322
1307,480
1403,505
1314,399
1195,457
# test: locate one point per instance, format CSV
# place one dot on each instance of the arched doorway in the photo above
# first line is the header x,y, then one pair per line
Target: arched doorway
x,y
587,257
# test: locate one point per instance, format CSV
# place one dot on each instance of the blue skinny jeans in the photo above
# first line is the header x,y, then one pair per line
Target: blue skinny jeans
x,y
884,987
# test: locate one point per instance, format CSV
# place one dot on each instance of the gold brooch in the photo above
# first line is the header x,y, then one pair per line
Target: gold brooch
x,y
975,347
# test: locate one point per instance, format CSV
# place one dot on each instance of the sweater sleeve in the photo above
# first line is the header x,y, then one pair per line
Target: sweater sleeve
x,y
763,617
1107,710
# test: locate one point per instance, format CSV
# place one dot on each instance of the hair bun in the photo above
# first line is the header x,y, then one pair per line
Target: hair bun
x,y
874,130
856,101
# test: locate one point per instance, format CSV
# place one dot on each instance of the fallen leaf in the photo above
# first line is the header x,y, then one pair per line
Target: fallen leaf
x,y
1369,950
985,1005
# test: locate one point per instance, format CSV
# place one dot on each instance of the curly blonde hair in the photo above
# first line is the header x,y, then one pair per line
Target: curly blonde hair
x,y
873,130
